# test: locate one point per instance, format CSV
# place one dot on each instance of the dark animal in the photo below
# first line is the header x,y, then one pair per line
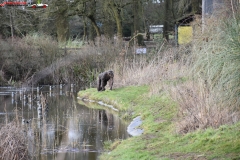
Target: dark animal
x,y
103,78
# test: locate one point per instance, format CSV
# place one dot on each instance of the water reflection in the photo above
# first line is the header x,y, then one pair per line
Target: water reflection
x,y
57,127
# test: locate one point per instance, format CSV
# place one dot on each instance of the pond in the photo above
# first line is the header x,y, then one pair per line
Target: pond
x,y
56,125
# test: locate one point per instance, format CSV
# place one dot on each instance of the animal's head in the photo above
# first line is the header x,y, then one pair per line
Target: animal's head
x,y
111,74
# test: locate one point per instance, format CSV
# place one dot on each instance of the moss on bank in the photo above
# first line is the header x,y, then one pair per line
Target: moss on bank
x,y
160,141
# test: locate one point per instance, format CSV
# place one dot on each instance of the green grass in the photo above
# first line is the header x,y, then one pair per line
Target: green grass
x,y
72,44
159,141
120,97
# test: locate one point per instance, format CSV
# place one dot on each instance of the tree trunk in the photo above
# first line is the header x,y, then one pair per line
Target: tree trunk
x,y
94,23
84,29
137,21
117,17
62,28
62,25
11,24
108,27
136,15
166,20
94,30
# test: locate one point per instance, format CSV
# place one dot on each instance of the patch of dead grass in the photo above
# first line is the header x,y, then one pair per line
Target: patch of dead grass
x,y
13,142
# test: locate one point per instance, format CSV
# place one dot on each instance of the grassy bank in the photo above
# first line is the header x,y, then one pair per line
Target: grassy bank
x,y
160,139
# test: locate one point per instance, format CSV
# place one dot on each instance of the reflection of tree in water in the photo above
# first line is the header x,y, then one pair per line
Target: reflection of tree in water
x,y
106,118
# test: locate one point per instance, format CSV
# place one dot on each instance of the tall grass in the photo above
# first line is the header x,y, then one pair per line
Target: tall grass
x,y
218,64
211,97
203,77
158,70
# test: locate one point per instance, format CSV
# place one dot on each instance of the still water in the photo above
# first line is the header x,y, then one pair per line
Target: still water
x,y
57,126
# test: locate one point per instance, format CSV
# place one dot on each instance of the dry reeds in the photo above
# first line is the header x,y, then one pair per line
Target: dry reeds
x,y
217,62
203,77
198,108
154,71
13,142
212,99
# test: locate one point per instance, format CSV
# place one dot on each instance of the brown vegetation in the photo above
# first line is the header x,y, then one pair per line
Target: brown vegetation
x,y
37,59
201,77
13,142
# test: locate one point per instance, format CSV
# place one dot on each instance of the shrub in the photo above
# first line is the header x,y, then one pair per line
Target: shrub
x,y
22,57
37,58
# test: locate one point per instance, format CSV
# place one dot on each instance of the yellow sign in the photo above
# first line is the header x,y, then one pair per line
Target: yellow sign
x,y
185,34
